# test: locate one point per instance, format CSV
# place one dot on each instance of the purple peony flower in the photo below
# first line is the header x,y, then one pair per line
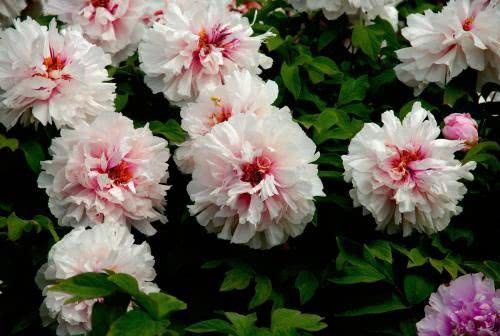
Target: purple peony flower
x,y
468,306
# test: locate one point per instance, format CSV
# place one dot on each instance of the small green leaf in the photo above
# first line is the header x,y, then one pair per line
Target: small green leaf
x,y
307,284
210,326
166,304
236,278
16,226
417,288
325,65
86,286
34,154
121,102
170,130
386,305
263,291
452,95
136,322
244,325
11,144
291,78
105,313
287,320
368,39
353,90
381,249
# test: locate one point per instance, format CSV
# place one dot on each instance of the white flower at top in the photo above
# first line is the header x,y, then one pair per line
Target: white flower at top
x,y
104,247
254,181
241,92
464,34
48,76
367,10
9,10
107,172
404,176
196,46
115,25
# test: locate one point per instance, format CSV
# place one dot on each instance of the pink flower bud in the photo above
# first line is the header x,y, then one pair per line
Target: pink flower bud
x,y
461,126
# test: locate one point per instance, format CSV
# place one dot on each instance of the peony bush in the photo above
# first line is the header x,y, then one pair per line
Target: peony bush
x,y
249,168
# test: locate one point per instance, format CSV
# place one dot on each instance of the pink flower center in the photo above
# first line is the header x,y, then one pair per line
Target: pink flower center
x,y
255,172
402,161
476,319
120,173
221,114
218,37
468,24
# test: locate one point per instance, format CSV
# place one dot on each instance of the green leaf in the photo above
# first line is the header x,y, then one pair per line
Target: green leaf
x,y
166,304
326,38
244,325
307,284
105,313
325,65
274,43
237,278
121,102
452,95
353,90
16,226
482,147
170,130
127,283
86,286
368,39
381,249
263,291
291,78
210,326
11,144
33,152
136,322
287,320
417,288
386,305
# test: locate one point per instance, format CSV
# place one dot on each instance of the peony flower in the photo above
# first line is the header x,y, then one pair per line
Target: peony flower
x,y
115,25
199,44
9,10
461,126
242,92
102,248
48,76
155,12
253,181
469,305
366,10
465,34
107,172
404,176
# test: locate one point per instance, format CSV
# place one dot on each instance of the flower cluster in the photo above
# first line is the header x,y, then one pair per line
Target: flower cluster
x,y
195,46
404,176
464,34
469,306
108,247
48,76
366,10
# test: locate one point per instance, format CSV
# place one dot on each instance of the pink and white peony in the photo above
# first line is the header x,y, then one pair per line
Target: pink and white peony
x,y
366,10
461,126
404,176
107,172
9,10
104,247
115,25
241,92
253,181
198,44
465,34
48,76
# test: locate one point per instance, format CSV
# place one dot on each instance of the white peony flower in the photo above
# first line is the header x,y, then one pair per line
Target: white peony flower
x,y
115,25
367,10
104,247
107,172
48,76
241,92
155,12
198,44
253,181
465,34
9,10
404,176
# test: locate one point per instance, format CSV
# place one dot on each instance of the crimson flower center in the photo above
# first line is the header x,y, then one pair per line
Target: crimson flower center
x,y
120,173
221,114
100,3
255,172
218,37
468,24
